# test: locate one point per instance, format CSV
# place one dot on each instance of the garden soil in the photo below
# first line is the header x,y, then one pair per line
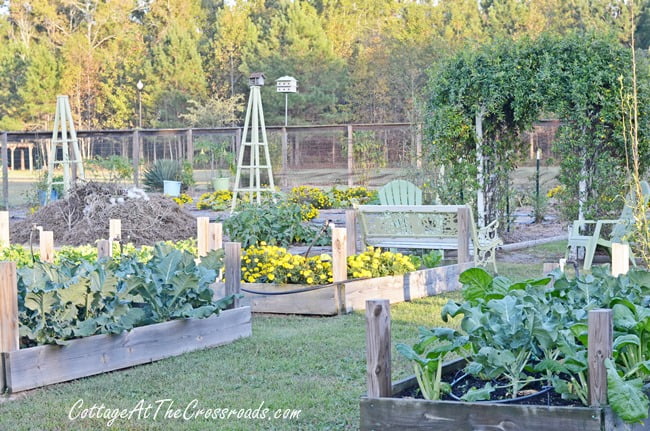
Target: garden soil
x,y
83,217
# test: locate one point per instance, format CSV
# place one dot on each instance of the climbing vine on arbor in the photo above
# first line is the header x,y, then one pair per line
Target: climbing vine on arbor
x,y
511,84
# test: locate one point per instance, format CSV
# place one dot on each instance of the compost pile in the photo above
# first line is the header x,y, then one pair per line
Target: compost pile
x,y
83,217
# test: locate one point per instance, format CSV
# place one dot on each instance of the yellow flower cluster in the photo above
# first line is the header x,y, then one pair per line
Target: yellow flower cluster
x,y
375,263
308,212
272,264
183,199
359,194
555,190
216,201
308,195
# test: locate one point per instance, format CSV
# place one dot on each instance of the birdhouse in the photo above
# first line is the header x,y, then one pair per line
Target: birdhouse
x,y
256,78
286,84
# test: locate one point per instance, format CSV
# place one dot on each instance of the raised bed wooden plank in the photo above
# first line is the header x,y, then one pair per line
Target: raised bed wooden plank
x,y
44,365
399,288
410,414
321,301
350,295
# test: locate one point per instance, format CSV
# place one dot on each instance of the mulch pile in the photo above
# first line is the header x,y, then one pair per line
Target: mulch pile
x,y
83,217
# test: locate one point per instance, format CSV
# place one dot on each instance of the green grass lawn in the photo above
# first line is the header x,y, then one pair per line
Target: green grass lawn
x,y
315,365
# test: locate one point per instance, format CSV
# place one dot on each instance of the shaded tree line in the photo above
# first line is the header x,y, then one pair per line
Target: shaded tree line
x,y
355,60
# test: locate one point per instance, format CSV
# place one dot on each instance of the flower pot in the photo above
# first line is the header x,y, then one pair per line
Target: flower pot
x,y
219,184
172,188
54,195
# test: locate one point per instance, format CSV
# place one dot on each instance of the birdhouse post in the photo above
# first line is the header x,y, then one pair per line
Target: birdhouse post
x,y
286,85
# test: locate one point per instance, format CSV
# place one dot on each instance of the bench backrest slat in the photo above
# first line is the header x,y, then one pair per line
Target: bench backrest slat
x,y
400,192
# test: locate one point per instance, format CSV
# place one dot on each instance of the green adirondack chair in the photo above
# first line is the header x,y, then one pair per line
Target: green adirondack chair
x,y
400,192
621,228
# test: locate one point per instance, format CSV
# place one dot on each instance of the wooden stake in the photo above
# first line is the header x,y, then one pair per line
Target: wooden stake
x,y
215,237
47,246
351,226
464,229
232,265
9,337
620,259
350,156
4,228
115,230
549,266
339,254
378,348
599,343
202,232
104,248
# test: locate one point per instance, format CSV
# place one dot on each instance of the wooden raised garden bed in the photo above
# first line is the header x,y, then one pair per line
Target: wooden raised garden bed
x,y
342,296
28,368
350,295
383,408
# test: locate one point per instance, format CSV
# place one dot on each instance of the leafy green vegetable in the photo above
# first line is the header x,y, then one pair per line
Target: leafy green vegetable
x,y
515,328
626,396
77,299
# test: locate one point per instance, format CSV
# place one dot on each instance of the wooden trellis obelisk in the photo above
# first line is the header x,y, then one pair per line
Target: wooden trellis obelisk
x,y
252,147
64,136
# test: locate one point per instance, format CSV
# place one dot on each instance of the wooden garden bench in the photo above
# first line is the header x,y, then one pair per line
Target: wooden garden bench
x,y
434,227
400,192
621,228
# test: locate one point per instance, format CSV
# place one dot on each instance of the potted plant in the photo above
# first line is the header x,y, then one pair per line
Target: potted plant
x,y
165,176
41,189
221,160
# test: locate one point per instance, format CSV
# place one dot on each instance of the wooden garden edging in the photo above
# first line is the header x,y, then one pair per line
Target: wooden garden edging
x,y
350,295
382,409
22,369
345,296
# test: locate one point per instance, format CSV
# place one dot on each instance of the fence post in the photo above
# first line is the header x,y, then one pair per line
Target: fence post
x,y
5,171
351,226
190,146
238,136
620,259
202,233
115,229
136,157
215,237
464,228
599,342
378,348
339,254
350,157
232,262
104,248
47,246
4,228
418,146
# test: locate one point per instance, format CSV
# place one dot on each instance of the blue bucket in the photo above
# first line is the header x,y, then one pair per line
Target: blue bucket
x,y
172,188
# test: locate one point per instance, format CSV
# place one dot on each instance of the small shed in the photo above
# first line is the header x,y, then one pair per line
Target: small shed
x,y
286,84
256,78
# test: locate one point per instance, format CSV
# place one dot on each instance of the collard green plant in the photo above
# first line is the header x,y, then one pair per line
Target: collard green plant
x,y
429,354
72,299
509,330
171,285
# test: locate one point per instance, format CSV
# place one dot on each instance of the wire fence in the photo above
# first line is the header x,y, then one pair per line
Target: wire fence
x,y
345,155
